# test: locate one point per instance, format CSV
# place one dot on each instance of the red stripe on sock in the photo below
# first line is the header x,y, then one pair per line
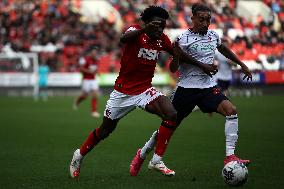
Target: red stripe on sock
x,y
94,104
163,138
90,142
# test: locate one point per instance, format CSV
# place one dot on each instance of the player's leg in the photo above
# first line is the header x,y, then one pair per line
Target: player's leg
x,y
92,140
155,102
141,154
149,145
227,109
162,107
215,101
94,103
94,92
183,103
84,94
80,99
112,114
45,94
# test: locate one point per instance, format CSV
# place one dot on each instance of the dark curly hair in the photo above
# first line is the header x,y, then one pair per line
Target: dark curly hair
x,y
199,7
152,11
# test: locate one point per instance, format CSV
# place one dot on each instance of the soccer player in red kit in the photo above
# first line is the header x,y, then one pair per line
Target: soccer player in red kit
x,y
88,68
133,86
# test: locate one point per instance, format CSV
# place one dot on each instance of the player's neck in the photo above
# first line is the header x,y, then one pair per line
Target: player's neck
x,y
195,31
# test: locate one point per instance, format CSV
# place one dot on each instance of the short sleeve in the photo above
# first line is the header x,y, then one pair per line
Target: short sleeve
x,y
183,41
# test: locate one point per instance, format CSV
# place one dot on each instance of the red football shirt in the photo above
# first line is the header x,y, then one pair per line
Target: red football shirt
x,y
138,62
91,64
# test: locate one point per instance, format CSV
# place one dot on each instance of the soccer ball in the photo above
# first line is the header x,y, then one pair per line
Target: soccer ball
x,y
235,173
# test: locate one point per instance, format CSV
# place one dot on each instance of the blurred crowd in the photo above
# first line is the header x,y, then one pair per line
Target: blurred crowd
x,y
56,30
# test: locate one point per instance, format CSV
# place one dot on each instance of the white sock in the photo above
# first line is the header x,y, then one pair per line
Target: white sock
x,y
231,133
156,158
149,145
78,154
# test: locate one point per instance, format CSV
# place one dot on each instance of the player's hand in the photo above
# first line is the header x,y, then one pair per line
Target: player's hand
x,y
209,69
247,72
152,26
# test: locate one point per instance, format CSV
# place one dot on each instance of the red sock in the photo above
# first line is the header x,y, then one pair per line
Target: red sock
x,y
94,104
90,142
80,99
164,135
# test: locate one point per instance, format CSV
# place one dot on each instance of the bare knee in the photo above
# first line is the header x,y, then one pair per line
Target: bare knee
x,y
171,115
232,110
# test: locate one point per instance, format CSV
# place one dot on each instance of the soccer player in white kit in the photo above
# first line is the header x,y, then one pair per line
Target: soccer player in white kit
x,y
197,88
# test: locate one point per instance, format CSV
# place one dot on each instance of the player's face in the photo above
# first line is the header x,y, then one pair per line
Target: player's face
x,y
161,24
94,54
201,22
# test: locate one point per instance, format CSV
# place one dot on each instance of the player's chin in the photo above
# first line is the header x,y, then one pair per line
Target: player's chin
x,y
203,31
157,35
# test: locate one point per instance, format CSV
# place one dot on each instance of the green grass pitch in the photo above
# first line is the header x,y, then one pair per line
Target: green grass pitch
x,y
38,139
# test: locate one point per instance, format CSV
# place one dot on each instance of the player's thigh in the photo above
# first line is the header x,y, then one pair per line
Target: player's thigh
x,y
118,105
155,102
162,107
184,100
211,99
227,108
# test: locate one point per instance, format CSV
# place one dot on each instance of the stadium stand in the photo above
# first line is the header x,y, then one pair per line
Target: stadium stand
x,y
55,29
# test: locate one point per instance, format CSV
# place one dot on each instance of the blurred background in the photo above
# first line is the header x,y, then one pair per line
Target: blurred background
x,y
57,33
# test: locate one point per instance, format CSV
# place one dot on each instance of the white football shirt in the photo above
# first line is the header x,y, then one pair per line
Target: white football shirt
x,y
202,48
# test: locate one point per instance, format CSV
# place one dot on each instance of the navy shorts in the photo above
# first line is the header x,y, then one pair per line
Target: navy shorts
x,y
223,84
185,99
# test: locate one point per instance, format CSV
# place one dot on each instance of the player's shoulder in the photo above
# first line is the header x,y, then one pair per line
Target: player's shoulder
x,y
185,36
165,37
186,33
213,33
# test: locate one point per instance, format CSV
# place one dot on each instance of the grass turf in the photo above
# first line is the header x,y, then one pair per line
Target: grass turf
x,y
38,139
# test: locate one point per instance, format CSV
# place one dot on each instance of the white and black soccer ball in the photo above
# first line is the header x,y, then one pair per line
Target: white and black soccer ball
x,y
235,173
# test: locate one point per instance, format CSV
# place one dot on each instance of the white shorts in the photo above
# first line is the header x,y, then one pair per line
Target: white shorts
x,y
120,104
89,85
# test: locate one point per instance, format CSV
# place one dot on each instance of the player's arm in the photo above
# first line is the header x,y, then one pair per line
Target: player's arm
x,y
209,69
132,33
85,70
82,68
174,64
230,55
